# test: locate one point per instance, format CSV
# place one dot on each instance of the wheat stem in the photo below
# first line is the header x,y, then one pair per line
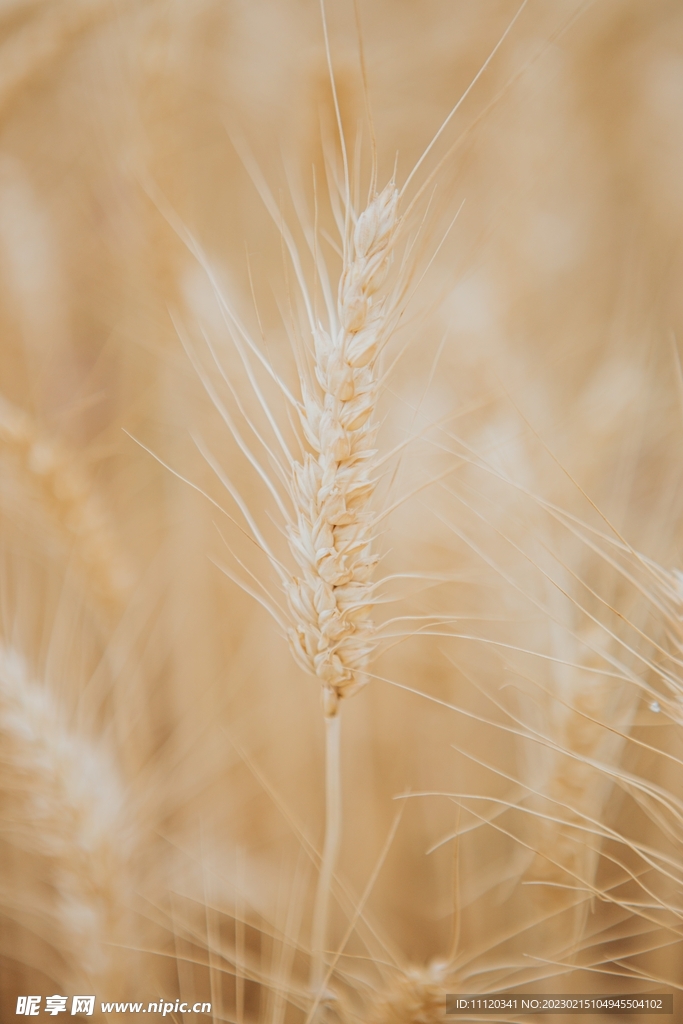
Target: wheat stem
x,y
331,541
333,827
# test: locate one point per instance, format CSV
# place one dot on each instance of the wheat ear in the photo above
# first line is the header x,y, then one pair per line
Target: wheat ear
x,y
416,996
61,800
46,467
332,536
40,42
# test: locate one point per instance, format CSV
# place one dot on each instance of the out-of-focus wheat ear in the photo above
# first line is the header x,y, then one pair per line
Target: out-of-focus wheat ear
x,y
589,714
63,806
42,40
416,996
50,474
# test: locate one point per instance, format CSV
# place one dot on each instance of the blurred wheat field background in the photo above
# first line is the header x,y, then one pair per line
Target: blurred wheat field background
x,y
511,774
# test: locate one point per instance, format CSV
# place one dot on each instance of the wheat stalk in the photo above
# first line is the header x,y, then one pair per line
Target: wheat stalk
x,y
332,538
